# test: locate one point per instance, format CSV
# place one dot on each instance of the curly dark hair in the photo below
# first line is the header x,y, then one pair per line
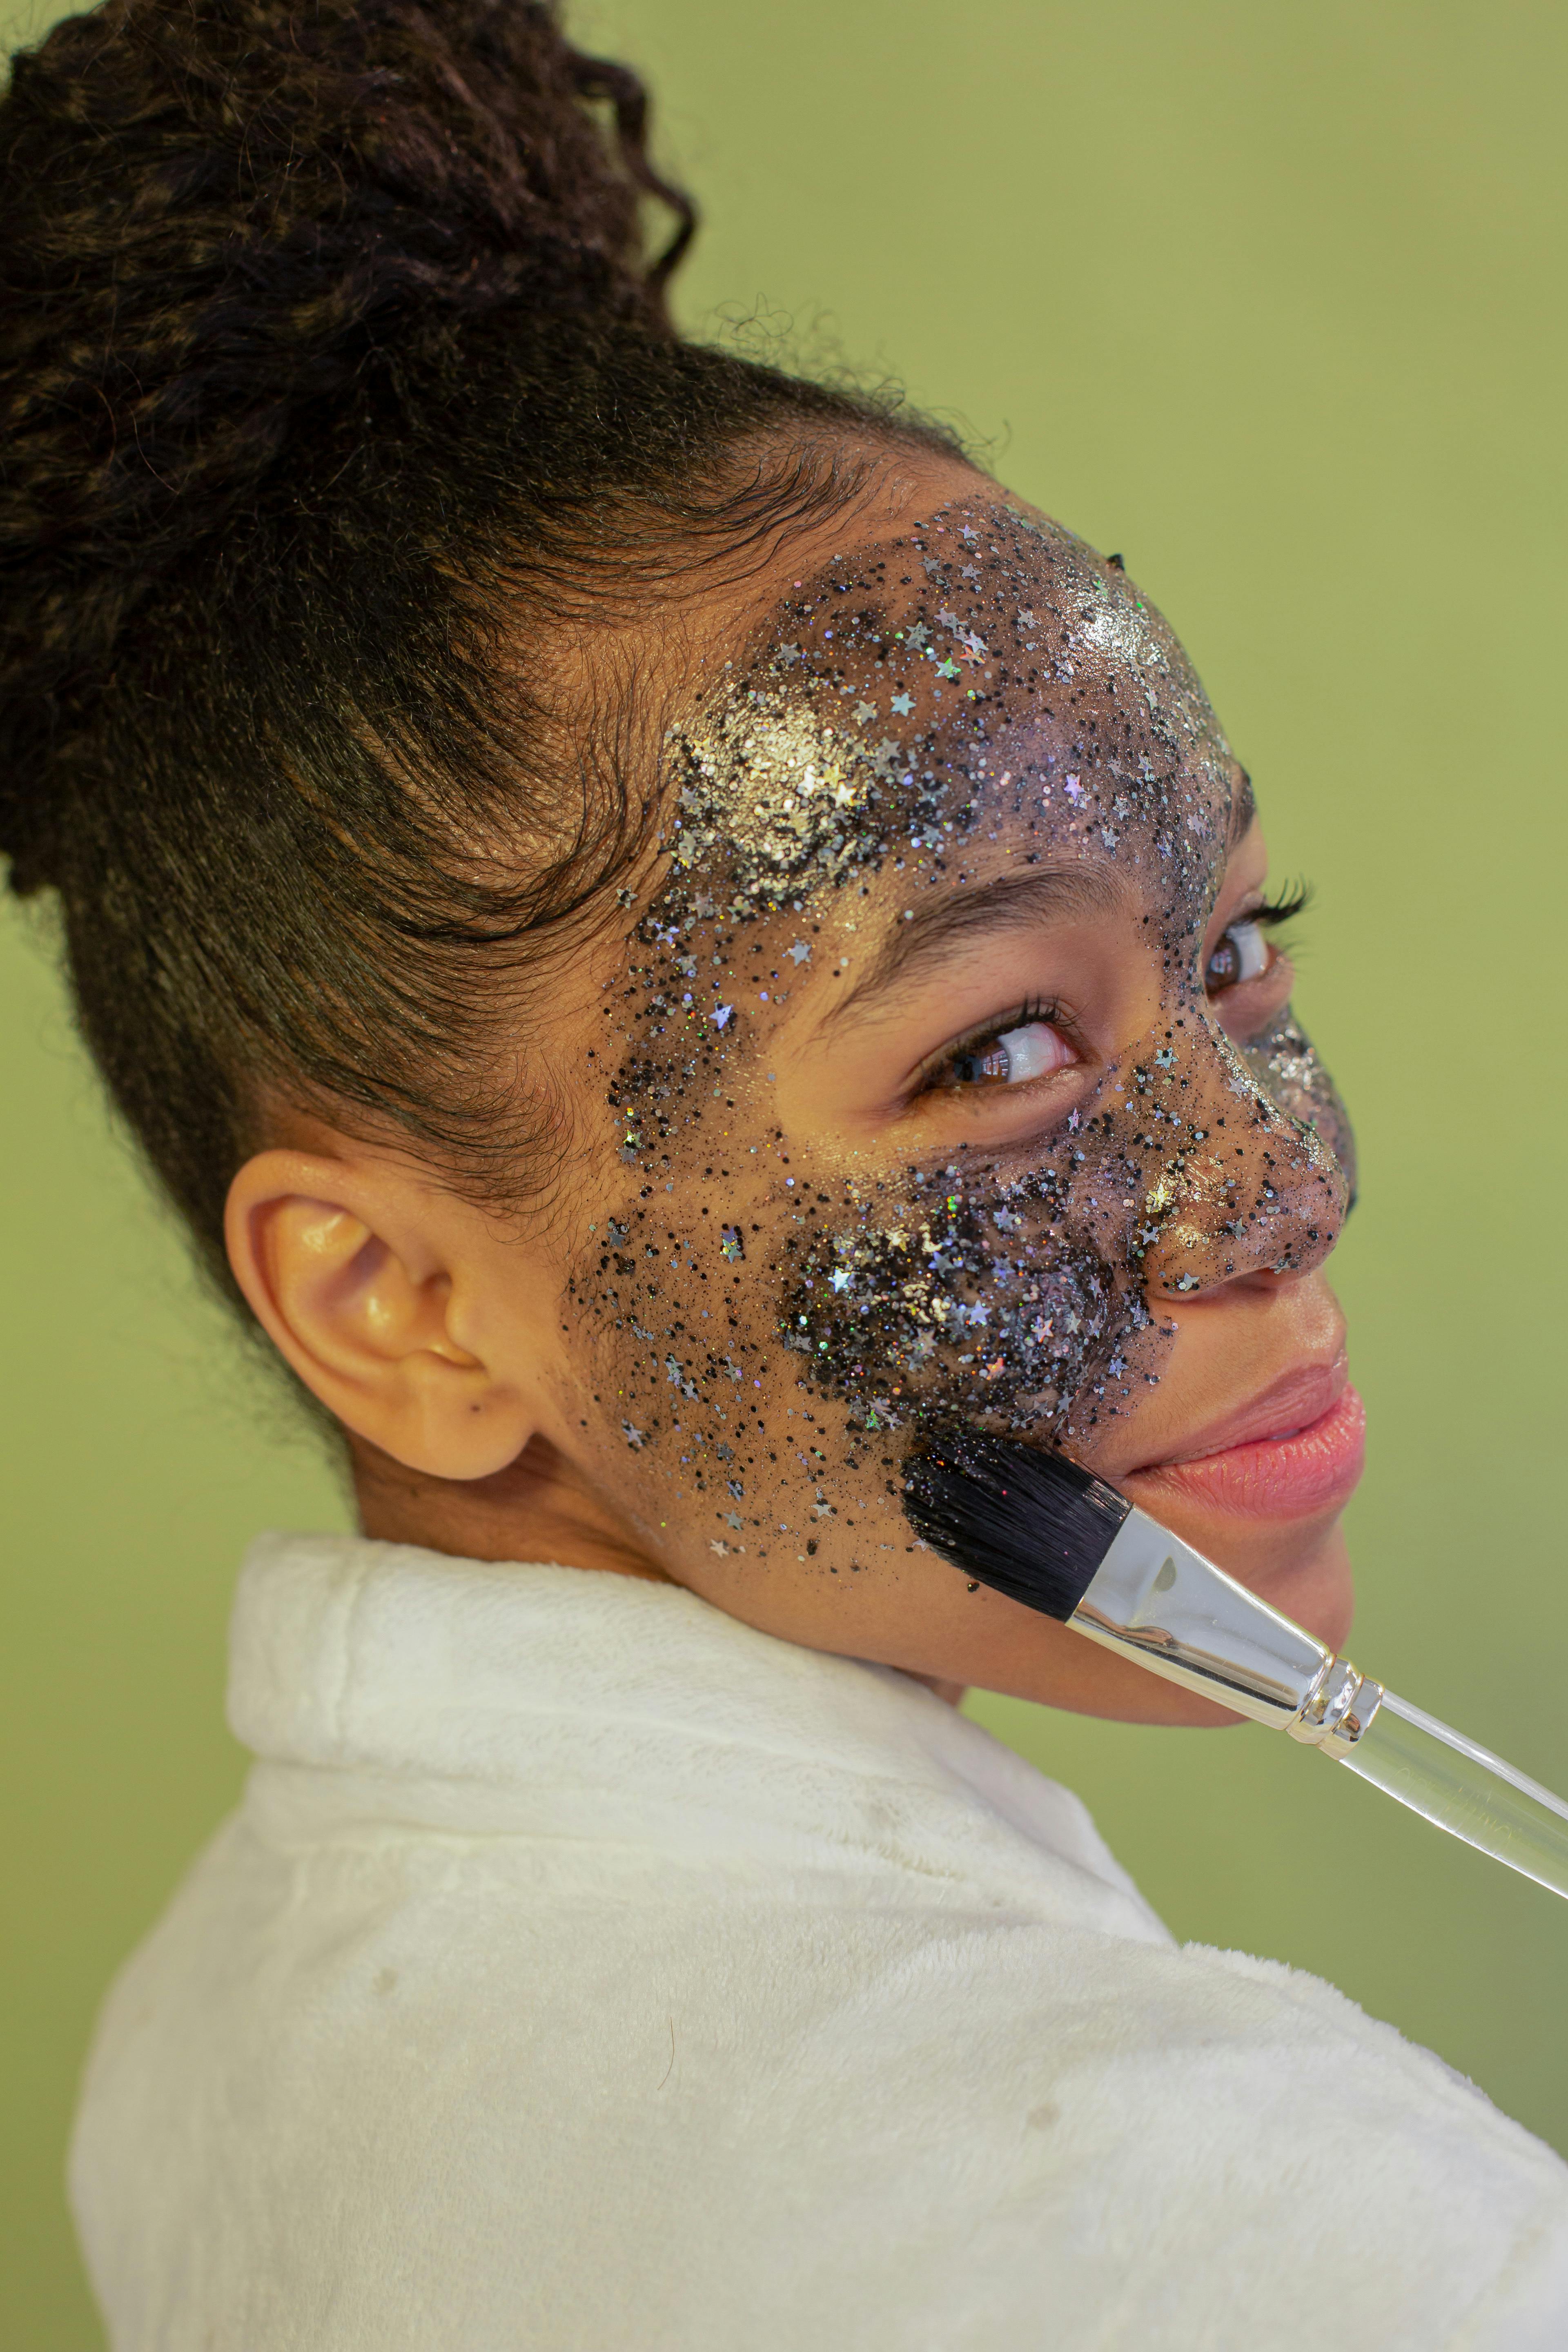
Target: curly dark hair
x,y
335,383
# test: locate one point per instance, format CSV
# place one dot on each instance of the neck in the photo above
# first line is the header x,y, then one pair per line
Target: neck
x,y
538,1508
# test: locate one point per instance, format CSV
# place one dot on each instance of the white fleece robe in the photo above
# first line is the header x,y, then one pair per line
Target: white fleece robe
x,y
586,1972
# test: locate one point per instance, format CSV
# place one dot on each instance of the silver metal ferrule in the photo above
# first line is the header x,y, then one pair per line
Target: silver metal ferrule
x,y
1339,1710
1154,1600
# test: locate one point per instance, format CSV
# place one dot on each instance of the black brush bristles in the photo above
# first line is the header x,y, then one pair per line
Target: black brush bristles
x,y
1033,1525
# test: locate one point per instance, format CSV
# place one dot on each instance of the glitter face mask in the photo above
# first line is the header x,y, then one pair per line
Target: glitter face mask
x,y
772,1315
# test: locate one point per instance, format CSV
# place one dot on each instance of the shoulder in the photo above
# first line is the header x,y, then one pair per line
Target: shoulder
x,y
648,2108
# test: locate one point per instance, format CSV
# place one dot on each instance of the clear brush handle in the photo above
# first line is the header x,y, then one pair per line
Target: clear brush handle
x,y
1155,1602
1463,1789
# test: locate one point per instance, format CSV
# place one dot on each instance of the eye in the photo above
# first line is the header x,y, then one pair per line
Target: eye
x,y
1242,953
1005,1058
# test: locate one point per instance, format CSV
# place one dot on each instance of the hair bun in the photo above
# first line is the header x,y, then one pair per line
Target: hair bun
x,y
218,215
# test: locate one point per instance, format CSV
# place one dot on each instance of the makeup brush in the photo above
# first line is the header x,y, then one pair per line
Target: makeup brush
x,y
1043,1530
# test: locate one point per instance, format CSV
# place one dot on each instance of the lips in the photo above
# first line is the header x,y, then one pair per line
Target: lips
x,y
1284,1469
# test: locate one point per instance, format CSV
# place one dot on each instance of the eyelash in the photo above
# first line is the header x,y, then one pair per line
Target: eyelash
x,y
1048,1009
1283,910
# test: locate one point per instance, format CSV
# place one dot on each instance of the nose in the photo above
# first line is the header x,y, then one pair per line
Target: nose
x,y
1253,1189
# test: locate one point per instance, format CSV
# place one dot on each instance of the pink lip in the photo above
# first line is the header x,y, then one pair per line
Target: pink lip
x,y
1293,1474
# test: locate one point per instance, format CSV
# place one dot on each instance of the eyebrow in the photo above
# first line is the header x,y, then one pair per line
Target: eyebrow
x,y
927,936
1242,811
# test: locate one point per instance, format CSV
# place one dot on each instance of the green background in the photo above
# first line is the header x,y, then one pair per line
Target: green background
x,y
1269,296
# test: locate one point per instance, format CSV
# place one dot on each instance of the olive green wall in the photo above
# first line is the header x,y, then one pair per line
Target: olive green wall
x,y
1267,296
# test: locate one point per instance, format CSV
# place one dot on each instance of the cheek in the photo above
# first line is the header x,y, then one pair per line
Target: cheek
x,y
677,1353
922,1304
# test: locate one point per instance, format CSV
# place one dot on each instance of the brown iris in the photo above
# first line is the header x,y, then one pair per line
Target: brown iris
x,y
996,1063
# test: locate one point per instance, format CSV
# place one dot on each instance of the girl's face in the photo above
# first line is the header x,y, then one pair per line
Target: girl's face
x,y
953,1079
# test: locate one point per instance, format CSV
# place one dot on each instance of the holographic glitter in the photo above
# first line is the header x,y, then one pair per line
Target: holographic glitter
x,y
1284,1061
927,723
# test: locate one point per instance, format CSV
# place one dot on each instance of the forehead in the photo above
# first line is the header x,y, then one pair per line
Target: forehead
x,y
978,682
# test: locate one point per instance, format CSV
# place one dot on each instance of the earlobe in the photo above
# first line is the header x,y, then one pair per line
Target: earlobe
x,y
354,1287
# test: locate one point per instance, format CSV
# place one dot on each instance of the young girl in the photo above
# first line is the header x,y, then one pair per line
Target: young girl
x,y
670,940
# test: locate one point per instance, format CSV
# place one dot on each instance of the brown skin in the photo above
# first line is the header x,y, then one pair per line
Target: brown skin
x,y
483,1381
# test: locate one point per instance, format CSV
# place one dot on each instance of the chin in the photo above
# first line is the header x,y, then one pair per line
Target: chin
x,y
1317,1588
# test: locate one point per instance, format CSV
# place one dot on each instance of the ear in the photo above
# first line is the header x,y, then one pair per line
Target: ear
x,y
363,1276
